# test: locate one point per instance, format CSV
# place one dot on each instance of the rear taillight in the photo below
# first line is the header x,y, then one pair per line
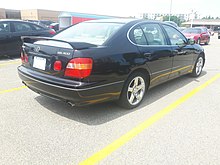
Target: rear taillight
x,y
24,57
79,67
57,66
52,31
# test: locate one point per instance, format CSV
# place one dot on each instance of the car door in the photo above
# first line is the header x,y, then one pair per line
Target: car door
x,y
153,45
20,29
5,37
183,52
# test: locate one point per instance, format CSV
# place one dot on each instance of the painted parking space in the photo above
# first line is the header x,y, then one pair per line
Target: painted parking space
x,y
98,156
188,135
9,63
12,89
8,75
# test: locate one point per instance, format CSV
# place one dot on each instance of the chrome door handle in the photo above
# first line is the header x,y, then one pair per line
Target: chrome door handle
x,y
147,55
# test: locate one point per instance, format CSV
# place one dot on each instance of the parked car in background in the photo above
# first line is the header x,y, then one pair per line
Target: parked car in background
x,y
199,34
11,32
54,26
211,32
217,30
105,60
44,23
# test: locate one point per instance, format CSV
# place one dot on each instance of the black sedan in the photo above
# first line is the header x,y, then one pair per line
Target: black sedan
x,y
104,60
11,32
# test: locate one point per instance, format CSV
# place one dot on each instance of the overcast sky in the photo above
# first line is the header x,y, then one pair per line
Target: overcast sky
x,y
119,7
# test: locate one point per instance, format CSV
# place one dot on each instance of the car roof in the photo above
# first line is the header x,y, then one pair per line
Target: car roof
x,y
18,20
123,20
113,20
46,20
12,20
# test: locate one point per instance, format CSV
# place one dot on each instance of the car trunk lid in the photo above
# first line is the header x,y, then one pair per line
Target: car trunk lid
x,y
49,56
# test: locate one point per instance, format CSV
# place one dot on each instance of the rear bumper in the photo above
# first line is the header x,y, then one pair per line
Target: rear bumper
x,y
74,93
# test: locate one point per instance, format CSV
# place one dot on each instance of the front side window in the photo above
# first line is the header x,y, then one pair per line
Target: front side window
x,y
176,38
4,27
22,27
91,32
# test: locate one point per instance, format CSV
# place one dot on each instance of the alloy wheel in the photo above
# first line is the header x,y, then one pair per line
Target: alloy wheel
x,y
199,65
136,90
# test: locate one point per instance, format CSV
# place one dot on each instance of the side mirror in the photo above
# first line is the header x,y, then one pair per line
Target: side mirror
x,y
191,41
181,43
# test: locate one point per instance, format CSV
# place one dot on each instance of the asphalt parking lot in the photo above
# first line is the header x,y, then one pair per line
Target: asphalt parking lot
x,y
38,130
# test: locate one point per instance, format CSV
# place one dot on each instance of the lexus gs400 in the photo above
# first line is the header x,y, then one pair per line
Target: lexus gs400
x,y
106,60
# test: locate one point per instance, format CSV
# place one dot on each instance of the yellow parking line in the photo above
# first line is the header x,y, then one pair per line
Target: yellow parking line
x,y
10,63
103,153
12,89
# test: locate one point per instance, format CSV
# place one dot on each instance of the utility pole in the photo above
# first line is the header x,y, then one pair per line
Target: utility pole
x,y
192,17
171,3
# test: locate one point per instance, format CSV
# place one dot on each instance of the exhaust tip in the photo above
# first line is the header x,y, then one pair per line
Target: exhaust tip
x,y
70,103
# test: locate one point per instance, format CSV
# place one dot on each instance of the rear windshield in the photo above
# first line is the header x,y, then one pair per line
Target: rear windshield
x,y
192,30
89,32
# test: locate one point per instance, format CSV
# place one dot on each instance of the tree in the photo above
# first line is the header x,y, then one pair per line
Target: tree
x,y
208,17
175,19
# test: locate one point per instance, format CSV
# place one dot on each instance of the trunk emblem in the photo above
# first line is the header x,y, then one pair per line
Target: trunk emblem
x,y
63,53
37,49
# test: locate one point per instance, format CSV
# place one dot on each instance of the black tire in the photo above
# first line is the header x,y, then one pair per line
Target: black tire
x,y
207,42
197,70
218,37
199,41
134,95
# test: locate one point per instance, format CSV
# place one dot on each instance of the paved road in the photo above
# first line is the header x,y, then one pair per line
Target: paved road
x,y
39,130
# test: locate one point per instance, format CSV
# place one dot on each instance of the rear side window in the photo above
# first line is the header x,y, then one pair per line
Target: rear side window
x,y
4,27
139,37
22,27
176,38
147,34
153,34
90,32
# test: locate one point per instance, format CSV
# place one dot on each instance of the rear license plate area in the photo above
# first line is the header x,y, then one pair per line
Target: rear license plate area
x,y
39,62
